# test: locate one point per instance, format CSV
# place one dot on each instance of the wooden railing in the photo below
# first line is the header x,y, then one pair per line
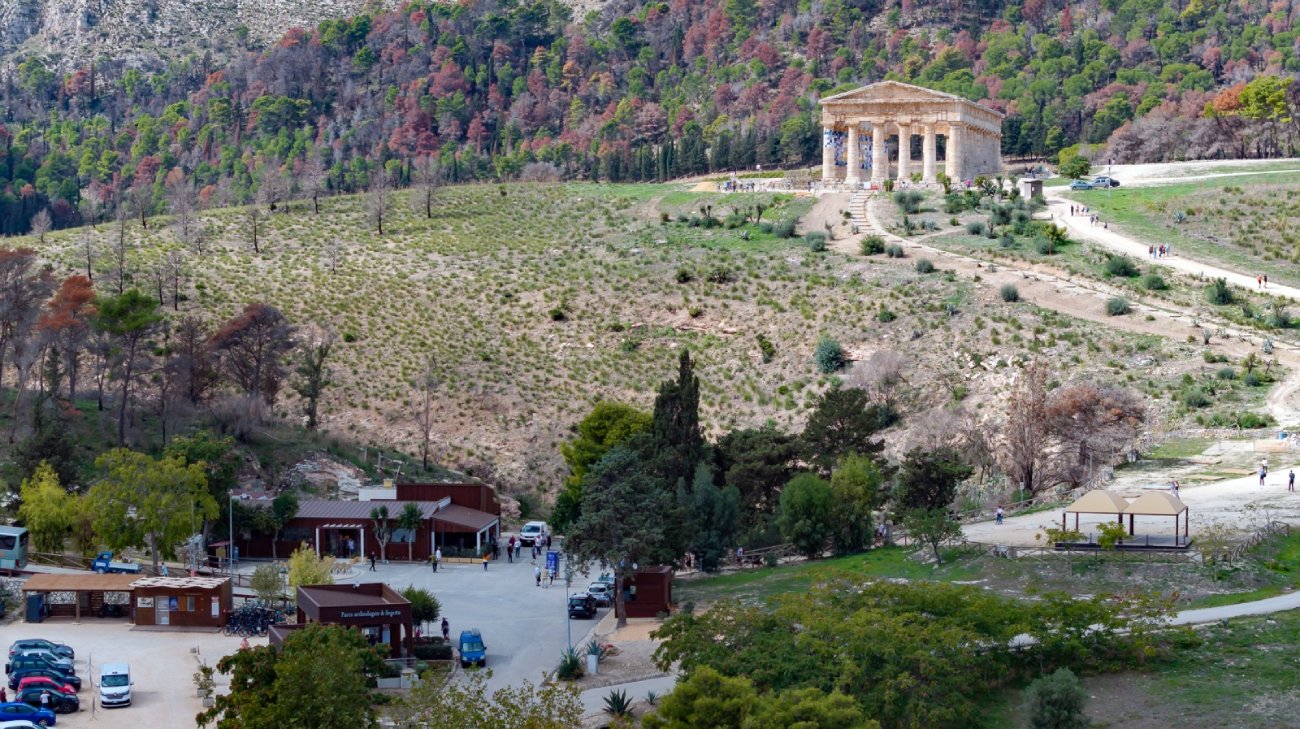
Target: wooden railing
x,y
1273,527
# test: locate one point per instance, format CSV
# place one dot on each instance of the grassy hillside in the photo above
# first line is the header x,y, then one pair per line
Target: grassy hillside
x,y
538,300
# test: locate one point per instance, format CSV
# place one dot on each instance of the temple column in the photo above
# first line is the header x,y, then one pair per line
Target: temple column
x,y
828,155
879,155
952,154
928,155
854,174
904,152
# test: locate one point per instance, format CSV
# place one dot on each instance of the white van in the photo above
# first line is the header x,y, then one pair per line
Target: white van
x,y
115,685
532,532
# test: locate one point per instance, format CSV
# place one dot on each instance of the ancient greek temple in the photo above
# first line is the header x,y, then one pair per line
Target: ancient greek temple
x,y
869,135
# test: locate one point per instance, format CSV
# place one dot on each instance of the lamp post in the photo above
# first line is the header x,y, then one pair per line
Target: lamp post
x,y
568,617
230,545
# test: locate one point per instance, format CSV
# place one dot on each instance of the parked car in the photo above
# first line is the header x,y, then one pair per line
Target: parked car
x,y
1104,181
45,682
60,703
18,724
53,673
582,605
472,649
22,663
27,644
602,593
53,659
1080,185
18,710
532,532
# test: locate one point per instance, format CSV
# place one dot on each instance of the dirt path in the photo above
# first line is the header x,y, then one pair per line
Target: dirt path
x,y
1086,299
829,208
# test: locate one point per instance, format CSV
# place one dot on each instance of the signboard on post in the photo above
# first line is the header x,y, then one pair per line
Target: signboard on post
x,y
553,562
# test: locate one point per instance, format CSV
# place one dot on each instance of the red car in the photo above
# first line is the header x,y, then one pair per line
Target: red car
x,y
45,683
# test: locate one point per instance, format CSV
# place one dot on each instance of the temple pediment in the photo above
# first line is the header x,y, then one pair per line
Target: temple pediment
x,y
894,92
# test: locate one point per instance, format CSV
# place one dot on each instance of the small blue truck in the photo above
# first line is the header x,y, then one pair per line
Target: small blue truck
x,y
105,565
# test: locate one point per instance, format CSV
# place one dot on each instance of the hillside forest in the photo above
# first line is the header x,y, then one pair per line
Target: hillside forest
x,y
506,89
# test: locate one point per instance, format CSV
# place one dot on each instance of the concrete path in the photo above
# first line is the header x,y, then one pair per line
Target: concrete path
x,y
1289,601
1081,229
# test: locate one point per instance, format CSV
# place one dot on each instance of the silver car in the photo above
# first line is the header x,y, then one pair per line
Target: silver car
x,y
602,592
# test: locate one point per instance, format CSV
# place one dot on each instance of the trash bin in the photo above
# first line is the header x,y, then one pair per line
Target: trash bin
x,y
35,608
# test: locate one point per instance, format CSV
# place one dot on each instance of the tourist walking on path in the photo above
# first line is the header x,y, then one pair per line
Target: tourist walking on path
x,y
1263,471
537,574
1001,512
372,562
1290,480
485,561
437,557
446,630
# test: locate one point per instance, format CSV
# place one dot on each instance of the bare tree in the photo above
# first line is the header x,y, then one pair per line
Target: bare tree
x,y
41,224
194,356
1064,436
23,288
253,216
313,373
183,204
334,252
175,267
273,187
88,248
1025,434
313,179
119,251
379,199
92,201
428,178
426,386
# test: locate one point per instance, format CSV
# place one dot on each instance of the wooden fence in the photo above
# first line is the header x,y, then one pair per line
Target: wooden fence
x,y
1238,551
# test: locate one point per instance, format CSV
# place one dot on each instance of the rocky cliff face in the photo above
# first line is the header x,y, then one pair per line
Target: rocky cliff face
x,y
145,30
142,32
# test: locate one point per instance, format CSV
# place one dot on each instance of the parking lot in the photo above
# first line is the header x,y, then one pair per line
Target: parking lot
x,y
162,662
523,627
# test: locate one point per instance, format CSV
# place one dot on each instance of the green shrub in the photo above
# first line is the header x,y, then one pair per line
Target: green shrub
x,y
1010,293
1250,420
1218,292
884,316
765,347
1226,373
975,227
829,355
953,203
1252,379
909,201
923,265
1154,282
570,668
557,314
721,275
1045,246
1195,397
872,245
733,220
765,228
816,241
684,275
1121,266
1057,701
894,250
349,337
618,704
1007,241
784,229
1117,306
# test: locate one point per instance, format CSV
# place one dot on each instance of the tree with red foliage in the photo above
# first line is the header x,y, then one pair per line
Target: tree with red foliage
x,y
252,348
66,322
